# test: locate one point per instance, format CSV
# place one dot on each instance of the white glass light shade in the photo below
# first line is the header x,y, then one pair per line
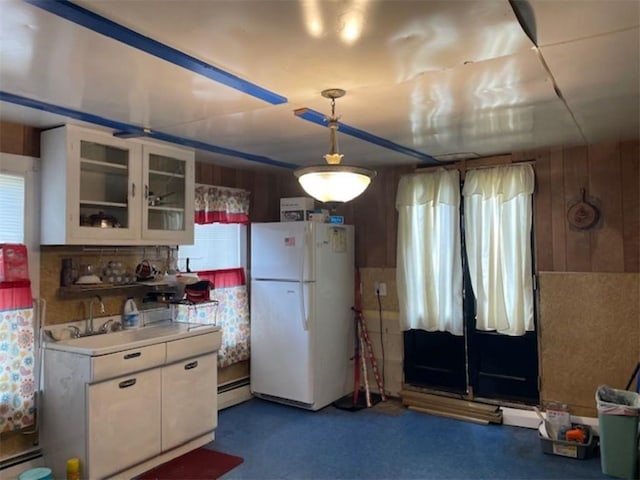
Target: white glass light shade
x,y
334,183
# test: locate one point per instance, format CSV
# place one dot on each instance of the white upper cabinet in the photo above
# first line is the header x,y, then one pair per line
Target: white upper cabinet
x,y
101,190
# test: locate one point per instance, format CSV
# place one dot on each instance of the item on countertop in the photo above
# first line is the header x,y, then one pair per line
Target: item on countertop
x,y
131,315
145,271
198,292
187,278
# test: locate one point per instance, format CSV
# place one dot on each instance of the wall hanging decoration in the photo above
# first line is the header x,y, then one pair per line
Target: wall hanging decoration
x,y
583,214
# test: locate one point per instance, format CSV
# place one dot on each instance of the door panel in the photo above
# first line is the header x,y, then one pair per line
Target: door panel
x,y
279,249
280,340
123,422
435,360
189,396
504,367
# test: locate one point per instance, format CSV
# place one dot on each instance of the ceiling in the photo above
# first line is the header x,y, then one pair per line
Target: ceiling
x,y
426,80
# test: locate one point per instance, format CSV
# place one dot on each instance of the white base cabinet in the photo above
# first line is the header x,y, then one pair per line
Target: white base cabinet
x,y
188,389
129,410
123,418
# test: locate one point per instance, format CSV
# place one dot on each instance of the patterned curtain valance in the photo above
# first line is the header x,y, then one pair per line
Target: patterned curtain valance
x,y
221,205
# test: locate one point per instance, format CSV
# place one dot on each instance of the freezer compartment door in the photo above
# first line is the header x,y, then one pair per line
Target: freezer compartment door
x,y
282,251
280,340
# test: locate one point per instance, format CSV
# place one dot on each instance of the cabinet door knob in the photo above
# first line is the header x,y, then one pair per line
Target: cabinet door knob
x,y
133,190
127,383
132,355
146,192
191,365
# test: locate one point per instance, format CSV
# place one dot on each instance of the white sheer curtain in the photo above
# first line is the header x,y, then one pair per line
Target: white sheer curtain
x,y
497,212
429,270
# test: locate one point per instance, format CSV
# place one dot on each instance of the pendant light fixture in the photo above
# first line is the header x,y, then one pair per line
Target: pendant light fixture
x,y
334,183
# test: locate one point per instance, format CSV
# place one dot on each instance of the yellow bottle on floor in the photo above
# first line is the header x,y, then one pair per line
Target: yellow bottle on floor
x,y
73,469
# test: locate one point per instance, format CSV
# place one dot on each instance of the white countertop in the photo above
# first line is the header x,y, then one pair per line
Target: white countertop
x,y
108,343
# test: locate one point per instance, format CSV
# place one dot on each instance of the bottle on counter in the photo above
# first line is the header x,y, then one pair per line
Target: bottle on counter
x,y
131,316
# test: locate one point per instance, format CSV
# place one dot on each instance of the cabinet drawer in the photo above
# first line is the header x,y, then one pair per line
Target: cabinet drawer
x,y
128,361
193,346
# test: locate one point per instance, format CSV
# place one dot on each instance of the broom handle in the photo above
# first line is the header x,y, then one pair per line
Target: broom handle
x,y
633,375
363,362
372,359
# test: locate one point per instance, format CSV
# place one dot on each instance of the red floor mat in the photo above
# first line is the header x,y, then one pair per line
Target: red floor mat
x,y
199,464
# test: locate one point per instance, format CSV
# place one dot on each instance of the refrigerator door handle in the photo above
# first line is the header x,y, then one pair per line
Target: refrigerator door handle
x,y
303,310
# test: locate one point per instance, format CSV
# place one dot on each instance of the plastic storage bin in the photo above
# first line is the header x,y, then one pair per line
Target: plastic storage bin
x,y
618,412
569,449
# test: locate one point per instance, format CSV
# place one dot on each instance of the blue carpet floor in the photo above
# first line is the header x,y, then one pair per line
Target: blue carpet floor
x,y
281,442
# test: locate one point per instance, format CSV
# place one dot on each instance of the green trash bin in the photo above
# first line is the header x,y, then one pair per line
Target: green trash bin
x,y
618,415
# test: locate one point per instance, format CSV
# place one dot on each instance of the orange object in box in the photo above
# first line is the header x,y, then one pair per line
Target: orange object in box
x,y
14,265
576,435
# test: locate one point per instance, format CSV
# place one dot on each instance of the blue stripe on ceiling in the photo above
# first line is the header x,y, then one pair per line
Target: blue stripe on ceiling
x,y
129,130
320,119
100,24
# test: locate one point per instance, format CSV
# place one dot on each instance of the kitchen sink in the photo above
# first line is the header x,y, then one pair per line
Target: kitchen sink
x,y
127,339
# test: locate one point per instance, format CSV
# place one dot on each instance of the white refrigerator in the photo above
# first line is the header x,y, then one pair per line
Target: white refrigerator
x,y
302,291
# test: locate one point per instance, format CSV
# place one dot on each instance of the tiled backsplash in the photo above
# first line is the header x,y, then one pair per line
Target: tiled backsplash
x,y
60,311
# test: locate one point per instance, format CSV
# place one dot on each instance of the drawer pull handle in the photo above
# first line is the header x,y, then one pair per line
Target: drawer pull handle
x,y
191,365
127,383
132,355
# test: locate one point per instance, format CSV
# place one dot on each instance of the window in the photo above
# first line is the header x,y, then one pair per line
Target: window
x,y
11,208
216,246
20,224
19,208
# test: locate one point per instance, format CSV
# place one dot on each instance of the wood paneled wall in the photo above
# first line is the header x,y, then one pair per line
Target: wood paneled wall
x,y
609,173
19,139
610,176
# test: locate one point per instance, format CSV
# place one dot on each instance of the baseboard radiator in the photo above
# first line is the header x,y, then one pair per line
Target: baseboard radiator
x,y
233,393
451,407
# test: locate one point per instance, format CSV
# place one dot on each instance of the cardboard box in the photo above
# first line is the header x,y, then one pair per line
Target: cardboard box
x,y
296,209
14,265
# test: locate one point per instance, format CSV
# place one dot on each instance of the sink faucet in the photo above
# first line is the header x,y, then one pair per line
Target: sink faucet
x,y
105,326
90,320
75,331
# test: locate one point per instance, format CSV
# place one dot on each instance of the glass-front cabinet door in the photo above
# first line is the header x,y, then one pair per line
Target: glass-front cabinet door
x,y
167,213
98,189
108,202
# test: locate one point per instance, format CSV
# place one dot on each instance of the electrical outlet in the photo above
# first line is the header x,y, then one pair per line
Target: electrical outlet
x,y
380,288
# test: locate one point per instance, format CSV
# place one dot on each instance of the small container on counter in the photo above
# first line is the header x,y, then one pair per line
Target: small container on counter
x,y
131,315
